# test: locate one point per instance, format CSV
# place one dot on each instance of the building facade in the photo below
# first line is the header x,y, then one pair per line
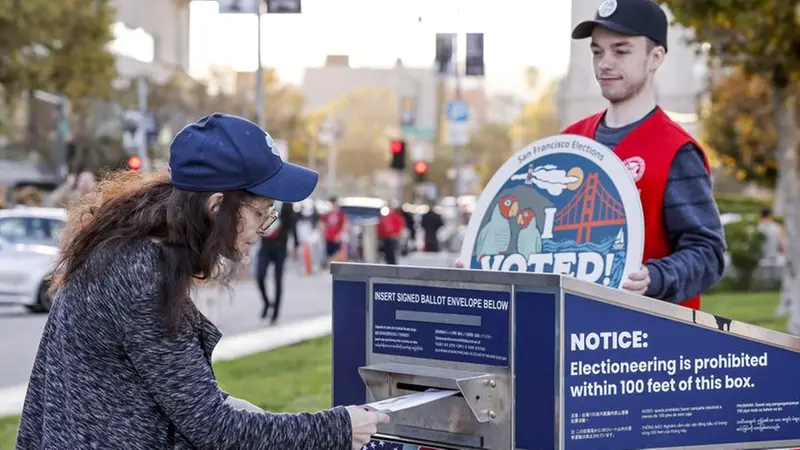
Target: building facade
x,y
151,38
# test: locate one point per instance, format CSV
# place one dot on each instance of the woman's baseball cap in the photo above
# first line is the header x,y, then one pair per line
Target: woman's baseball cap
x,y
221,152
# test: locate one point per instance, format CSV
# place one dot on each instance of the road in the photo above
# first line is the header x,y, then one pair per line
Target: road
x,y
233,312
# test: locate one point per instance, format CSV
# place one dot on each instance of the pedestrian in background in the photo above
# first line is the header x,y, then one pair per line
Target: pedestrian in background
x,y
125,357
334,227
273,251
773,255
390,227
431,223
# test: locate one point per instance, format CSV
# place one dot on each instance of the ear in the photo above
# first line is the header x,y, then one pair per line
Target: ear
x,y
655,58
213,202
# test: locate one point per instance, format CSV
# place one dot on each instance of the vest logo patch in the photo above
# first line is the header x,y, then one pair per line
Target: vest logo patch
x,y
564,204
635,166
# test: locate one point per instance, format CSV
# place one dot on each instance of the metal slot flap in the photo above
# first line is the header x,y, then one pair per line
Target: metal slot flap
x,y
486,394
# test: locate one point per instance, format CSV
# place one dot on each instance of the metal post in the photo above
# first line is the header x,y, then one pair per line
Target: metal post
x,y
259,74
141,130
61,140
457,147
312,149
333,154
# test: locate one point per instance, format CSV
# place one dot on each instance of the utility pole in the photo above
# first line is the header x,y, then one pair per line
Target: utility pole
x,y
260,73
457,148
142,90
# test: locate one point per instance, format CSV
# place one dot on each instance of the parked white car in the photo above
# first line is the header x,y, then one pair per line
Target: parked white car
x,y
28,249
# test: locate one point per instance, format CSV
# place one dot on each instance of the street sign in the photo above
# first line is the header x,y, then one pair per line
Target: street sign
x,y
458,123
408,112
457,111
330,131
419,132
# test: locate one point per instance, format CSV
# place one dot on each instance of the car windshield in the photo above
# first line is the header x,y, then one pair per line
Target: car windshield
x,y
30,229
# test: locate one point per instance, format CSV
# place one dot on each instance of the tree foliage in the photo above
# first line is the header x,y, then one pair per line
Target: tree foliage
x,y
761,35
760,41
539,119
58,47
367,116
740,128
489,147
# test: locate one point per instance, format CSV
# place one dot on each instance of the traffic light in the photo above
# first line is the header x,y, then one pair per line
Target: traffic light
x,y
398,149
134,162
474,61
421,171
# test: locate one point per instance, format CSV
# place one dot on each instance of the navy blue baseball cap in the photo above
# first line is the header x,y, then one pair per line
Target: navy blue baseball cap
x,y
221,152
628,17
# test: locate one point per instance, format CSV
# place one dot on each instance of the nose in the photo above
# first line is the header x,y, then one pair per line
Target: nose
x,y
605,63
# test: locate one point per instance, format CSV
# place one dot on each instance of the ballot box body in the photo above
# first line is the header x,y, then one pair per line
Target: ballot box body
x,y
543,362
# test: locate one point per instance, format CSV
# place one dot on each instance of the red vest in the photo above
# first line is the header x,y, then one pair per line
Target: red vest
x,y
391,225
648,152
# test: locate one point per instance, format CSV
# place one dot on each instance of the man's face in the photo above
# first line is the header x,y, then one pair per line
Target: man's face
x,y
622,64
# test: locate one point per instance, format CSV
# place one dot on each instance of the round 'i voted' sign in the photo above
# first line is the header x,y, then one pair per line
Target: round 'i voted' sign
x,y
565,204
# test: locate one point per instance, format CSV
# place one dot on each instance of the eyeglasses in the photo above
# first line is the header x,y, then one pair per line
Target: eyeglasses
x,y
268,217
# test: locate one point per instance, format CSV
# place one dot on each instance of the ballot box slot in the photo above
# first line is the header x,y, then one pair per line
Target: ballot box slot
x,y
411,387
485,394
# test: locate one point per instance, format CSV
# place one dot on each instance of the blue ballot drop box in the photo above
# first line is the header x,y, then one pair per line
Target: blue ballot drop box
x,y
548,362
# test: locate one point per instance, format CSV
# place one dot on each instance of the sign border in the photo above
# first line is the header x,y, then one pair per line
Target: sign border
x,y
616,170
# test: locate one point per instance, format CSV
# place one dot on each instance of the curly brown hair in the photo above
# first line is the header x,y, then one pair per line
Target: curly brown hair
x,y
128,206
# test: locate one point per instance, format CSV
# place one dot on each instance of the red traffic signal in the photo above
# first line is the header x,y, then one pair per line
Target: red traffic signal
x,y
398,149
397,146
134,163
420,167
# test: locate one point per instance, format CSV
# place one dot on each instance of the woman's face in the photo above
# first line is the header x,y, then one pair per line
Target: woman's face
x,y
256,216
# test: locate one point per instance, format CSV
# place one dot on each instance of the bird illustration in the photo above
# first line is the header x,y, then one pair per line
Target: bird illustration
x,y
496,234
529,240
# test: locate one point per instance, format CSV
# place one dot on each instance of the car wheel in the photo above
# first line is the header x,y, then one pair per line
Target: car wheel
x,y
43,299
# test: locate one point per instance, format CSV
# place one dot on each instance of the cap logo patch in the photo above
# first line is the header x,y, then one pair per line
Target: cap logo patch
x,y
607,8
271,144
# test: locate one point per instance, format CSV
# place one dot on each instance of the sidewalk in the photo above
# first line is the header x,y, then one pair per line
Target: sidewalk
x,y
305,314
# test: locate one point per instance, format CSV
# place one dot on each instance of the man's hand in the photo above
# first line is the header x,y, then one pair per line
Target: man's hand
x,y
638,281
459,264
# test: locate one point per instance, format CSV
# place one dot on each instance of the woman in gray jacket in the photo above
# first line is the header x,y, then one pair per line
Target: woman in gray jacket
x,y
125,357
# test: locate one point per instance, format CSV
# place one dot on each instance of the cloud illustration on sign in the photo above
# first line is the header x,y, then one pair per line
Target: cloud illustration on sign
x,y
549,178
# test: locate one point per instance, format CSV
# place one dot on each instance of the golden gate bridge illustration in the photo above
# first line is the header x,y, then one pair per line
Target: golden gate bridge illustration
x,y
592,206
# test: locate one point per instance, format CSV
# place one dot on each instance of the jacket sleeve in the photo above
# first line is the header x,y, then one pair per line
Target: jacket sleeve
x,y
694,231
173,367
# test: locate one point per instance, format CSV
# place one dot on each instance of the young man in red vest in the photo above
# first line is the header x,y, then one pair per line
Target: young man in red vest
x,y
684,240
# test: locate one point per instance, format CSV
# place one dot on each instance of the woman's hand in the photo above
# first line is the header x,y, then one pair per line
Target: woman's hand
x,y
365,424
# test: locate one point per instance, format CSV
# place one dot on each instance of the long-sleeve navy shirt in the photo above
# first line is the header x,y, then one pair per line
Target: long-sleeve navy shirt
x,y
692,224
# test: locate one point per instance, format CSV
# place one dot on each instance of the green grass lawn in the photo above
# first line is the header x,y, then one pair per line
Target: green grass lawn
x,y
297,378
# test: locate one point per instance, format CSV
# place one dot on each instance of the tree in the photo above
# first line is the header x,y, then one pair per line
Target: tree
x,y
490,146
367,116
762,37
739,127
60,47
538,120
